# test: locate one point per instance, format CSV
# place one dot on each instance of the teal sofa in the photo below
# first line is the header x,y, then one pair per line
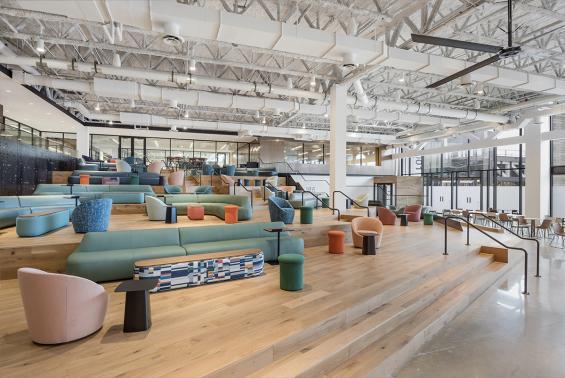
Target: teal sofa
x,y
42,223
108,256
12,206
213,204
121,194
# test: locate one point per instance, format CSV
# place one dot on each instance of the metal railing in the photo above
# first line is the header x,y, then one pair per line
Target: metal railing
x,y
525,292
322,202
352,201
294,171
513,233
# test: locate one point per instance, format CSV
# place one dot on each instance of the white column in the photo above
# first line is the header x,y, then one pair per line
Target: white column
x,y
338,129
83,141
536,194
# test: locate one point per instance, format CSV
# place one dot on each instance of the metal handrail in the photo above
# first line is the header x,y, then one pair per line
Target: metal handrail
x,y
238,183
322,202
296,171
352,201
271,187
525,292
515,234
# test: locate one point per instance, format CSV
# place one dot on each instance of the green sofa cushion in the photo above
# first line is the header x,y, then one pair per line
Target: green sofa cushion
x,y
46,200
131,188
124,197
227,232
42,189
8,216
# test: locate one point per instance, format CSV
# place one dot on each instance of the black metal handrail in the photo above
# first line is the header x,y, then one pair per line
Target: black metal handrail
x,y
271,187
295,171
525,292
322,202
352,201
515,234
238,183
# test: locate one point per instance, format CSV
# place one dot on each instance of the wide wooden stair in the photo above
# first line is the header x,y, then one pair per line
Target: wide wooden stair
x,y
377,336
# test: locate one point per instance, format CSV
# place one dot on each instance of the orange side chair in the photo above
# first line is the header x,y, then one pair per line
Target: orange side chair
x,y
366,224
84,179
386,216
336,242
230,214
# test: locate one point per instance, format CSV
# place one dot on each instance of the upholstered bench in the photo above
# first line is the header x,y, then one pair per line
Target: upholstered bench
x,y
40,223
194,270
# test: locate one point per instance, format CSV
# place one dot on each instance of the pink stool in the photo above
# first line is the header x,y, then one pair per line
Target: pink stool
x,y
195,212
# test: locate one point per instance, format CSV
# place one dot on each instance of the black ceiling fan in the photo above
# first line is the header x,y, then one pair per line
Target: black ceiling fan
x,y
499,51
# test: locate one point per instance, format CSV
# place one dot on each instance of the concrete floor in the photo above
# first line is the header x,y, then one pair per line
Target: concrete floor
x,y
504,334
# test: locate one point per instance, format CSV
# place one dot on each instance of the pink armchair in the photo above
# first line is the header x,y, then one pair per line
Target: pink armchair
x,y
366,224
156,167
176,178
414,212
386,216
61,308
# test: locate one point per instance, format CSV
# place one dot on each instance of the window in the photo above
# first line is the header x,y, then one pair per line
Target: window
x,y
205,149
104,147
185,148
157,149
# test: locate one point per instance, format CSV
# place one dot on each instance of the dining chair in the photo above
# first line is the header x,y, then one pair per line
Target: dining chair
x,y
521,225
544,228
558,232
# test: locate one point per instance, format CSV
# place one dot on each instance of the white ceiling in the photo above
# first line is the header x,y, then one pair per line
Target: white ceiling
x,y
26,107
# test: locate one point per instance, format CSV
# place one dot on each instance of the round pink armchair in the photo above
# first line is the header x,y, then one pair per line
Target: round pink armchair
x,y
61,308
155,167
386,216
366,224
176,178
414,212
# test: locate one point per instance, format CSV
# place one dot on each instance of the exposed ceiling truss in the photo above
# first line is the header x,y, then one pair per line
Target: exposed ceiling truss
x,y
540,30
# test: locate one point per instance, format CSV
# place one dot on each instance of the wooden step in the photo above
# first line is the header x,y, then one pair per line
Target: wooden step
x,y
374,296
387,355
337,347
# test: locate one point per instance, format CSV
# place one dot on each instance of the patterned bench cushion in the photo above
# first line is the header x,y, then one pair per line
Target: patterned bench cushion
x,y
194,273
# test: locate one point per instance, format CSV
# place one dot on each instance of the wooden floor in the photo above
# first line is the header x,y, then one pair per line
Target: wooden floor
x,y
50,251
238,328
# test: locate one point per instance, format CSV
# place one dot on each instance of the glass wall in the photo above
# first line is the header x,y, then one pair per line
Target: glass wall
x,y
480,179
557,177
105,147
319,153
53,141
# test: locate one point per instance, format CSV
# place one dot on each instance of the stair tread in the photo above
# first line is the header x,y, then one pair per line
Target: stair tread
x,y
353,337
366,362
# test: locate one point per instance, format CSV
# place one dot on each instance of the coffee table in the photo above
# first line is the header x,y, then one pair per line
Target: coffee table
x,y
369,242
137,314
171,214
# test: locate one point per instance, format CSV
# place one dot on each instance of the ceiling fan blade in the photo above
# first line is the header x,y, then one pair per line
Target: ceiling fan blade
x,y
474,67
419,38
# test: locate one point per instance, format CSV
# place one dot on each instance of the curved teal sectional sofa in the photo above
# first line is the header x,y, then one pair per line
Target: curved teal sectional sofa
x,y
213,204
41,224
12,206
120,194
108,256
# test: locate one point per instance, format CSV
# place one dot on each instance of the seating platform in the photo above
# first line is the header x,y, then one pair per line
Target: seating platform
x,y
392,303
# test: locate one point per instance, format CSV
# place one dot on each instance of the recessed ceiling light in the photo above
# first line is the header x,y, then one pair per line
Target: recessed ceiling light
x,y
8,91
31,103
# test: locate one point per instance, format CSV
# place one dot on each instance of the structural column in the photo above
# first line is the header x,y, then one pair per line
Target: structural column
x,y
537,169
338,144
83,141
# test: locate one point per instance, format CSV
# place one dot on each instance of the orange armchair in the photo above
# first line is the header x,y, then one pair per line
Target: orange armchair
x,y
366,224
386,216
414,212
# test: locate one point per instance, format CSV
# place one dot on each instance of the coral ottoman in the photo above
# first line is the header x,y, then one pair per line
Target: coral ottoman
x,y
230,214
336,241
195,212
84,179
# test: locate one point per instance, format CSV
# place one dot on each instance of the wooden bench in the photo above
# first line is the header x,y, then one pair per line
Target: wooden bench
x,y
194,270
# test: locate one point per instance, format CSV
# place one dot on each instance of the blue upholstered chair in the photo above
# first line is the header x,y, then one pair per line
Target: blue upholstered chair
x,y
228,170
172,189
207,170
204,189
92,216
280,210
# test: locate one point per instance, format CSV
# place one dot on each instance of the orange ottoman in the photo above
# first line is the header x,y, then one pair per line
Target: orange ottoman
x,y
230,213
84,179
336,241
195,212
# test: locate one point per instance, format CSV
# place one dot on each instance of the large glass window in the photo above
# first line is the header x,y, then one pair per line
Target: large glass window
x,y
558,169
293,151
313,153
104,147
157,149
254,150
242,153
353,154
185,148
206,150
226,153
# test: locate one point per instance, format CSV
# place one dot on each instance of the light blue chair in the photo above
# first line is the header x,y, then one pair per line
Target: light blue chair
x,y
156,209
92,216
172,189
228,170
204,189
207,170
281,210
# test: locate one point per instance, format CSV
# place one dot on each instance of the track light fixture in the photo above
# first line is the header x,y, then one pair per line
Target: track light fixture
x,y
40,46
402,78
289,84
313,81
185,114
132,103
97,107
480,89
192,65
